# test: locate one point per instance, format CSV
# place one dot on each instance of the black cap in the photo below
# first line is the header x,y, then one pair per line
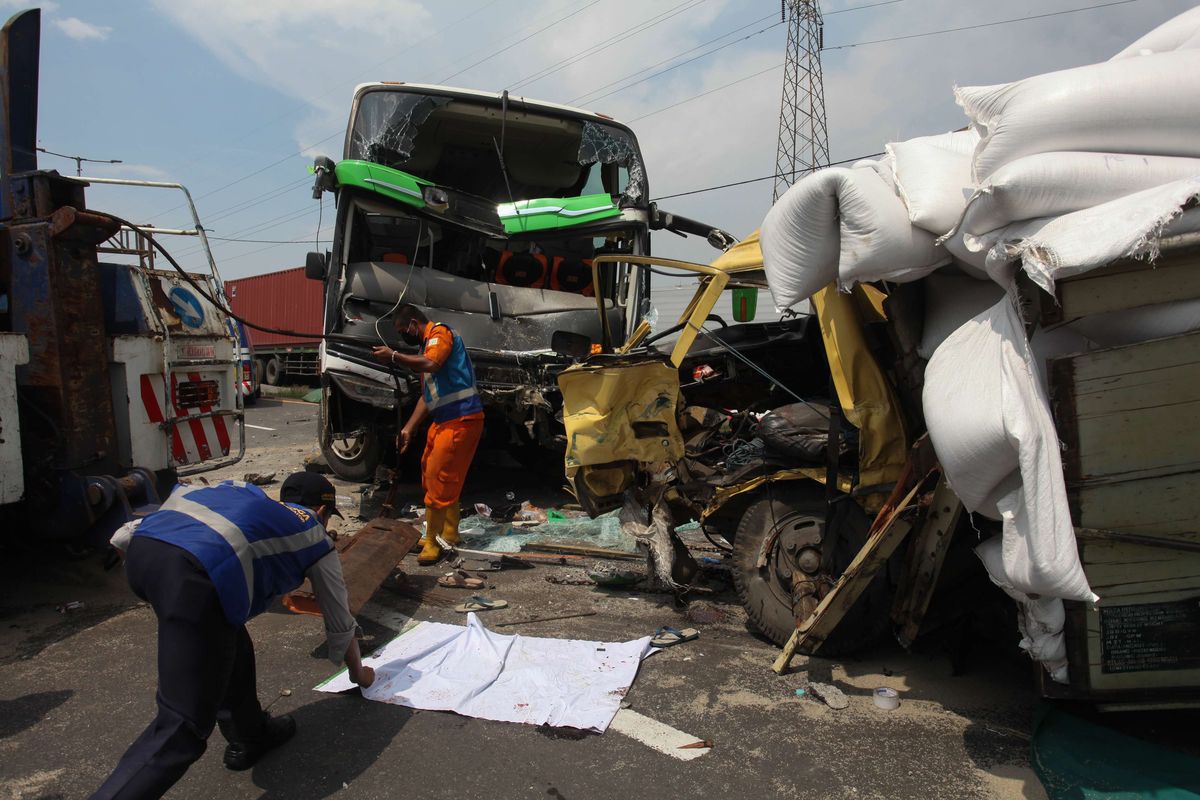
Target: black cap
x,y
310,490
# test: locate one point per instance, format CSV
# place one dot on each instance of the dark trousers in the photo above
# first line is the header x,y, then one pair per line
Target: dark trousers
x,y
205,673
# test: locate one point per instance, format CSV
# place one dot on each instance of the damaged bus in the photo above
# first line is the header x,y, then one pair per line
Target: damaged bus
x,y
486,211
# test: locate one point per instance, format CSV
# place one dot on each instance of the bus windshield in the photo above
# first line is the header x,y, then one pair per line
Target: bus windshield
x,y
455,142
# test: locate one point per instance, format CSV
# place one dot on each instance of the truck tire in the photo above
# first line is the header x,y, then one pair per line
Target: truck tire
x,y
797,512
352,458
273,373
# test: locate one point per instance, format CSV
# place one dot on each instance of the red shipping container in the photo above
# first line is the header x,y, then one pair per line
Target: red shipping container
x,y
285,300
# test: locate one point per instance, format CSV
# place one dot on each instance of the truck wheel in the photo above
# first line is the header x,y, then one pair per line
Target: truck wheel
x,y
352,458
273,372
790,521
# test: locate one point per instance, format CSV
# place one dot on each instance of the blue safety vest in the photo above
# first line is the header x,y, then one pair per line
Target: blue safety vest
x,y
450,392
253,548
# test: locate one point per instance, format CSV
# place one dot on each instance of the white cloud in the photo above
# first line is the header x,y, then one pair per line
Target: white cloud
x,y
82,31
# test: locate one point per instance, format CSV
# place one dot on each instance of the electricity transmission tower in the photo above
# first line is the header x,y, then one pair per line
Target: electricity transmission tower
x,y
803,138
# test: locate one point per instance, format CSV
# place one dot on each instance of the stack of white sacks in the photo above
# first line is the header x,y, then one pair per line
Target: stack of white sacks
x,y
1057,174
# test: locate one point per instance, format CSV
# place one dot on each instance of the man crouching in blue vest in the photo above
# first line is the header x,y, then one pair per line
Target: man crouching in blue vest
x,y
209,559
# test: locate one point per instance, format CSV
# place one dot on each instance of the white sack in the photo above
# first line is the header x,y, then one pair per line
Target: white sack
x,y
933,177
951,300
878,243
479,673
1040,621
1143,105
989,422
1129,227
885,167
1052,184
846,217
972,262
1178,33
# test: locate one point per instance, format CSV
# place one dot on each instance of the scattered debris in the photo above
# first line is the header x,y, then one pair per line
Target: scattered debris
x,y
613,575
829,694
886,698
477,603
74,605
801,692
459,579
668,637
258,479
702,744
705,613
317,463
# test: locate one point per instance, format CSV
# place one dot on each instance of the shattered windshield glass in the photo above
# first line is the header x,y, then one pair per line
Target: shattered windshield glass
x,y
604,145
386,126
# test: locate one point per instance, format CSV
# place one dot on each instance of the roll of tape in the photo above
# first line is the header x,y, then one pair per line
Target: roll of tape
x,y
887,698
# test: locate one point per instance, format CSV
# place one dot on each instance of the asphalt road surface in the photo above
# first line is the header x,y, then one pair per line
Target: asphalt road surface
x,y
77,687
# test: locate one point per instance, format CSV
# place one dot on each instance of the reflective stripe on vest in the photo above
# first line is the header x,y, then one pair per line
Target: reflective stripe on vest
x,y
450,392
253,548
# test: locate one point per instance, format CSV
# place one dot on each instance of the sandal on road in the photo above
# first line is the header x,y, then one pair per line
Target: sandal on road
x,y
666,637
478,603
458,579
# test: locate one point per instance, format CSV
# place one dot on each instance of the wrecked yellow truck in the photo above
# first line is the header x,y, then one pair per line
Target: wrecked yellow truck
x,y
666,450
802,443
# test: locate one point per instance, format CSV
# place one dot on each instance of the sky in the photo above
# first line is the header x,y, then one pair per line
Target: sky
x,y
233,98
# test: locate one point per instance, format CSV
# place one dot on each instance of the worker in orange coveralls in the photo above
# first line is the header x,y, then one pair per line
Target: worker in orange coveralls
x,y
448,396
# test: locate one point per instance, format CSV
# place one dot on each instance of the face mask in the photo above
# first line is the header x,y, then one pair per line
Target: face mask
x,y
413,339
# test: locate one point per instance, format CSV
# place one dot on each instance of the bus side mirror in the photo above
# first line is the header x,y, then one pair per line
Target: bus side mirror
x,y
315,266
745,304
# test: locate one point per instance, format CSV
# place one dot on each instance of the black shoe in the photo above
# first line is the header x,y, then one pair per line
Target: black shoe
x,y
244,755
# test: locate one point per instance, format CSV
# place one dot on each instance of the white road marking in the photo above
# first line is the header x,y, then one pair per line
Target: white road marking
x,y
656,735
257,427
386,617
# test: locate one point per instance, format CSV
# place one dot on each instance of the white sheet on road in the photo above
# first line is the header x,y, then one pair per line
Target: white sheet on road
x,y
480,673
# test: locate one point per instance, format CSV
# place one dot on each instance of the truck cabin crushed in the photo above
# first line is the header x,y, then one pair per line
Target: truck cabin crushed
x,y
730,425
486,211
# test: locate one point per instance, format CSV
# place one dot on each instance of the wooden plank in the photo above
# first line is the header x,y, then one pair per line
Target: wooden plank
x,y
1126,285
580,550
1127,412
368,558
927,555
1167,506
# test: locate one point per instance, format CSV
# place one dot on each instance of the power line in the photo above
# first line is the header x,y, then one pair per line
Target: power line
x,y
860,8
256,200
754,180
519,41
980,25
299,152
80,159
771,68
726,35
683,63
616,38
